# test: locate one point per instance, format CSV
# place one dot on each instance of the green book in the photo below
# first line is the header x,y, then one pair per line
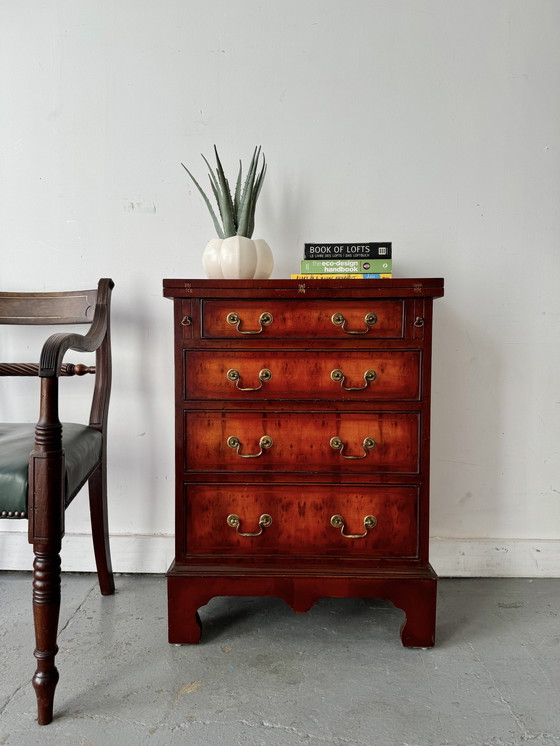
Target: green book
x,y
341,266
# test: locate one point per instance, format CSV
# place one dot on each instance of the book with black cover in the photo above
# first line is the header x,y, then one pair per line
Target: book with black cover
x,y
366,250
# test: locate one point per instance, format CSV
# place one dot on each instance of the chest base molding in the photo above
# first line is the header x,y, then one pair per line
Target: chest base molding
x,y
411,590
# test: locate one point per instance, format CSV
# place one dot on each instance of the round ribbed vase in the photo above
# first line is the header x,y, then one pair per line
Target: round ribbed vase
x,y
211,259
238,258
265,260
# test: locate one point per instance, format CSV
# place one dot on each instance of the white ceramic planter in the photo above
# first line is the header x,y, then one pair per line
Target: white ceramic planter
x,y
265,260
211,259
237,258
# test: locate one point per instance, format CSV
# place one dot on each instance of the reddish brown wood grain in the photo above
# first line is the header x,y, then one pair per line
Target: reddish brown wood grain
x,y
301,516
303,318
303,374
301,441
413,591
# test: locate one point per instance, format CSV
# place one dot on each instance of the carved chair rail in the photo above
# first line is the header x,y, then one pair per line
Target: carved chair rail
x,y
32,369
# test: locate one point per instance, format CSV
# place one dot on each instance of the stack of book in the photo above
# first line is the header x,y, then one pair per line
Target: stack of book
x,y
356,261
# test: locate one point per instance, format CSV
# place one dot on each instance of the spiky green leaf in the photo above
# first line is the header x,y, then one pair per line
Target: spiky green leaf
x,y
216,189
210,173
254,198
244,215
249,179
218,227
238,210
223,199
237,191
228,215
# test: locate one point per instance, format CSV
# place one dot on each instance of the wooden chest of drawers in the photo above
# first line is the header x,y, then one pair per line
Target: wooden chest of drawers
x,y
302,445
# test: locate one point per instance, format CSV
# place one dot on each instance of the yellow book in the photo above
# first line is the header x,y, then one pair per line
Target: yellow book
x,y
339,276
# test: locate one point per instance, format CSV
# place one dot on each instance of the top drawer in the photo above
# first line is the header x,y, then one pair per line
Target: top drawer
x,y
324,319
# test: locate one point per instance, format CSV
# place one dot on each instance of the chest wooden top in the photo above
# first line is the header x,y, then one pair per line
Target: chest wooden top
x,y
393,288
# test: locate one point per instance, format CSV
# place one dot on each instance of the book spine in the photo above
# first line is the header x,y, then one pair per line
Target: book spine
x,y
316,266
345,276
367,250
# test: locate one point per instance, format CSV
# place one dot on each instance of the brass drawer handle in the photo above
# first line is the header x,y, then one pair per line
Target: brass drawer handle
x,y
264,443
370,521
264,522
264,376
265,319
369,376
337,445
369,320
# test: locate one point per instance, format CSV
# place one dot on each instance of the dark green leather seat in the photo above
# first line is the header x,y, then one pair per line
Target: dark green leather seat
x,y
82,448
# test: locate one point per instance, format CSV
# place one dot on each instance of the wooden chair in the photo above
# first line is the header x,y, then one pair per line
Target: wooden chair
x,y
44,466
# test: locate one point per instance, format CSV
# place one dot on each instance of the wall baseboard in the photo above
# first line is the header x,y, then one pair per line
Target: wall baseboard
x,y
130,553
488,558
135,553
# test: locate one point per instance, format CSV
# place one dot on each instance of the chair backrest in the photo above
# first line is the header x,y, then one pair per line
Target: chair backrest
x,y
72,307
69,307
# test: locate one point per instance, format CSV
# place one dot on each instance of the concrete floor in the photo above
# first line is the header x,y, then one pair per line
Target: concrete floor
x,y
265,676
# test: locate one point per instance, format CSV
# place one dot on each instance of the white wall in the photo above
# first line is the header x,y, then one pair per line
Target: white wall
x,y
431,123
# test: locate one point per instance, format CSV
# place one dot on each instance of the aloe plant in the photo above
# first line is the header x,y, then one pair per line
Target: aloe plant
x,y
237,210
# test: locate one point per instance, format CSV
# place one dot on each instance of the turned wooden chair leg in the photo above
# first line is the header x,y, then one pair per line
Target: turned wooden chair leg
x,y
46,610
100,529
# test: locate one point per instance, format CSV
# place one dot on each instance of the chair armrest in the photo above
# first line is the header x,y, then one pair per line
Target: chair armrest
x,y
57,345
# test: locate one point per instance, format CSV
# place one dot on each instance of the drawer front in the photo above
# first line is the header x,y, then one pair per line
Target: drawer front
x,y
302,441
317,374
300,520
337,319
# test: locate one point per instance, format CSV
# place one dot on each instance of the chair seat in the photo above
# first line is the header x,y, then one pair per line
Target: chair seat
x,y
82,448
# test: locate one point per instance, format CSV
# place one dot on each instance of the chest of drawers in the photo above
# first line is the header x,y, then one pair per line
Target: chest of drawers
x,y
302,445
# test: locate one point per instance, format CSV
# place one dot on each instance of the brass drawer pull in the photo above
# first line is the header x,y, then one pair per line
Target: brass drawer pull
x,y
264,443
370,521
265,319
264,522
264,376
369,320
337,445
369,376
